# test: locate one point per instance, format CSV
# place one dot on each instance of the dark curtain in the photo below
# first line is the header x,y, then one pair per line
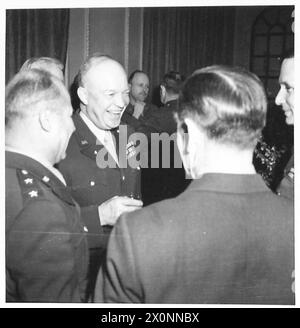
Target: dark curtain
x,y
184,39
35,33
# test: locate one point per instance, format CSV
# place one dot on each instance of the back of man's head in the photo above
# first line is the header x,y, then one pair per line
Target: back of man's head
x,y
32,91
228,103
48,64
172,81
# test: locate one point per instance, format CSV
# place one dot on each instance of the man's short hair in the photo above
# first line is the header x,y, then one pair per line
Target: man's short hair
x,y
31,91
228,103
92,60
42,63
172,81
132,75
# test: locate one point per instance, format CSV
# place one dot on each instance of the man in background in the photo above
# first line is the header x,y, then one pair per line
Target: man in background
x,y
162,119
227,238
138,110
169,95
46,247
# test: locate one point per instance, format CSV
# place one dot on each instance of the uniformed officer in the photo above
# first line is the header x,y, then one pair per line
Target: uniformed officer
x,y
103,193
46,247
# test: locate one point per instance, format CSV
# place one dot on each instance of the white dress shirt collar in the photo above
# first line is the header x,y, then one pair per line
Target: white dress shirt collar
x,y
104,136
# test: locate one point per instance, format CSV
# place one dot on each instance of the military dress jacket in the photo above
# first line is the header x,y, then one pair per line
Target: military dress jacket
x,y
90,184
46,246
226,239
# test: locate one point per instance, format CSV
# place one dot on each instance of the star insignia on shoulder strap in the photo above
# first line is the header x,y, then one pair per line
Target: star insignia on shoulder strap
x,y
33,193
29,185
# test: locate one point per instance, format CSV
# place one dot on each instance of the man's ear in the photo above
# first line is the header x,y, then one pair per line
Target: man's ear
x,y
191,135
45,120
82,94
162,92
182,138
189,139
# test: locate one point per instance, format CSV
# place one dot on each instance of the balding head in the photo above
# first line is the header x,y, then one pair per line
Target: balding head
x,y
48,64
87,65
139,86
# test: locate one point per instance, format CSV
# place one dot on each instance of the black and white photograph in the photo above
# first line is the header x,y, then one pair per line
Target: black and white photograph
x,y
149,155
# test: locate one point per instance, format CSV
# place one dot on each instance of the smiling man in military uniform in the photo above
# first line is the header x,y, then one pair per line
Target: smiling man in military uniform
x,y
104,193
46,247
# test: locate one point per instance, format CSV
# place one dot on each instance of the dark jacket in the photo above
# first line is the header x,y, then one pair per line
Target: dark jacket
x,y
168,179
163,119
140,124
226,239
46,247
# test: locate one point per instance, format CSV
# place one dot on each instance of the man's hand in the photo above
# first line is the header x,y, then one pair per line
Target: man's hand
x,y
138,109
111,210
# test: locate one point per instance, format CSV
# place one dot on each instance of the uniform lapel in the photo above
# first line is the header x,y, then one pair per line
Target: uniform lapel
x,y
87,141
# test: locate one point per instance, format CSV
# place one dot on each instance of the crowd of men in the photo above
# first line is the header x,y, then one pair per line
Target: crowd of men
x,y
77,226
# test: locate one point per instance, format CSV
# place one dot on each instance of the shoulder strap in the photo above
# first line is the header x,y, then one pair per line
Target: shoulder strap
x,y
29,186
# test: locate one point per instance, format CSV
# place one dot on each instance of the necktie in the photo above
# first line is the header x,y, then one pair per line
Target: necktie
x,y
110,146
